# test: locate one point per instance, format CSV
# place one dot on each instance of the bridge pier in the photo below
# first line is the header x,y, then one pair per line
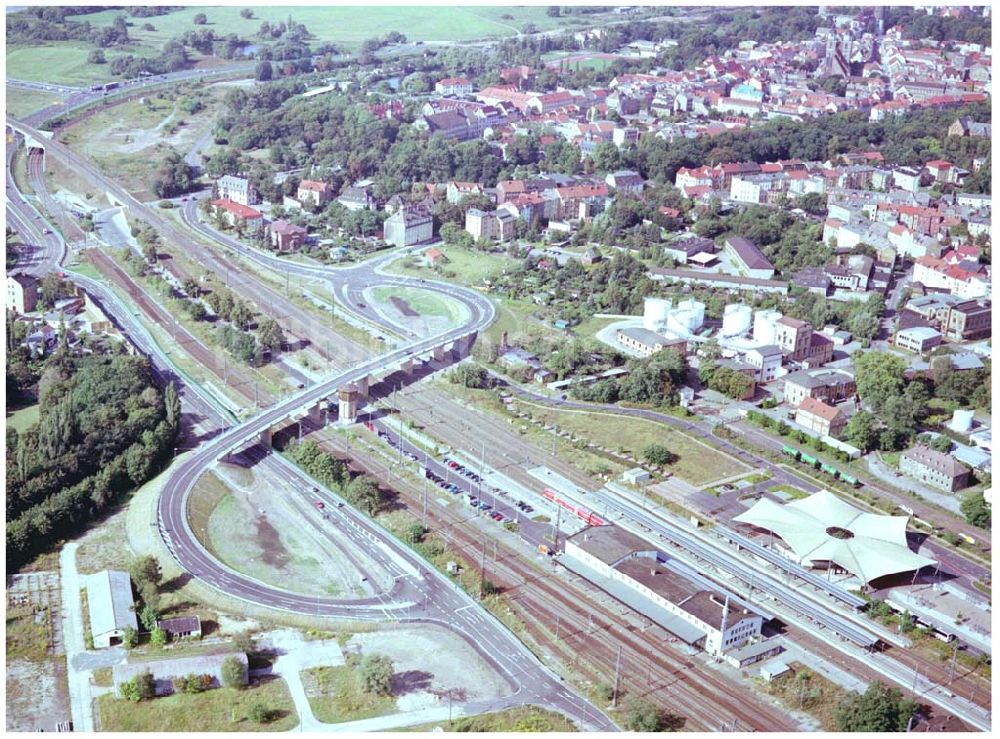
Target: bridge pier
x,y
407,366
348,407
463,346
439,354
361,386
265,438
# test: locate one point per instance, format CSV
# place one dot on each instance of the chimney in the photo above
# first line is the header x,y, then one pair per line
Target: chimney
x,y
503,341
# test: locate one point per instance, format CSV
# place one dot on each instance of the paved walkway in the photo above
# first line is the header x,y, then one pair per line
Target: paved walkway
x,y
81,706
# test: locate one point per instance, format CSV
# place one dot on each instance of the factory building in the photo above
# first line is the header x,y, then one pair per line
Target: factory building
x,y
636,573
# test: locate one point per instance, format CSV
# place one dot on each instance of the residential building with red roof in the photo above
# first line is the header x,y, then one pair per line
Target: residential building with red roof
x,y
239,216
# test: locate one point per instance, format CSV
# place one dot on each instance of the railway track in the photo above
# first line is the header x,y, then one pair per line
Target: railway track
x,y
675,683
230,373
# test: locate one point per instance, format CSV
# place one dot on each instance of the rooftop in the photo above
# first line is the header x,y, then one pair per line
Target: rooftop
x,y
749,253
609,544
938,461
817,407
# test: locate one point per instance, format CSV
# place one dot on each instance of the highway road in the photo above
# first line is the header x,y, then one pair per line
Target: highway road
x,y
76,98
420,593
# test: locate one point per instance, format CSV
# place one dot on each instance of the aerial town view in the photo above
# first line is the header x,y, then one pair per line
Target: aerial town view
x,y
498,368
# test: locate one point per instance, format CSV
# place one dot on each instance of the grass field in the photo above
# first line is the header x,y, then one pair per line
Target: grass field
x,y
335,696
424,302
23,418
27,633
520,719
597,63
223,709
346,25
21,102
126,139
696,463
466,266
269,550
63,62
807,690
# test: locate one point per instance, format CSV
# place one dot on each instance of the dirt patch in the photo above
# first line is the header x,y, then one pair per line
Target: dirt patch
x,y
36,695
104,546
430,664
403,307
273,551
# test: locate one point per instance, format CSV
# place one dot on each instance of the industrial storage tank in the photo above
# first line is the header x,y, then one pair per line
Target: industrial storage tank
x,y
961,421
686,318
736,320
655,312
765,326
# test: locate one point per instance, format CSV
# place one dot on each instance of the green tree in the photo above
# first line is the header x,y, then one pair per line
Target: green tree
x,y
364,492
264,71
376,674
145,571
879,709
261,714
658,454
232,673
148,617
941,444
470,375
879,377
861,431
200,19
241,315
639,714
269,334
158,637
976,510
141,687
130,638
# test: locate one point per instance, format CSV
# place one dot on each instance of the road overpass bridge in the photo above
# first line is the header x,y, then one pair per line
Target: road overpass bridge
x,y
349,396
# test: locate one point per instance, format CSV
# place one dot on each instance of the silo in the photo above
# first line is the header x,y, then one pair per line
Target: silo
x,y
686,318
765,326
655,313
736,319
961,421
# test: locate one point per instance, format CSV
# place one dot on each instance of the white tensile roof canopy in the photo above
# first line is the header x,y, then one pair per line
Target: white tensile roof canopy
x,y
823,528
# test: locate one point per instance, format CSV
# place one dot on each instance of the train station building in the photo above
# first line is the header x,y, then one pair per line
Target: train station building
x,y
666,591
824,531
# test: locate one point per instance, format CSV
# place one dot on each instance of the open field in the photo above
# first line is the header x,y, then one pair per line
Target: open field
x,y
520,719
27,633
335,695
429,665
63,62
807,690
123,140
21,102
579,60
696,463
222,709
424,302
23,418
467,266
274,550
346,25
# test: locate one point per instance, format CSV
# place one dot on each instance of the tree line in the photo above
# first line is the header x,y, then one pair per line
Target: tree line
x,y
105,427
